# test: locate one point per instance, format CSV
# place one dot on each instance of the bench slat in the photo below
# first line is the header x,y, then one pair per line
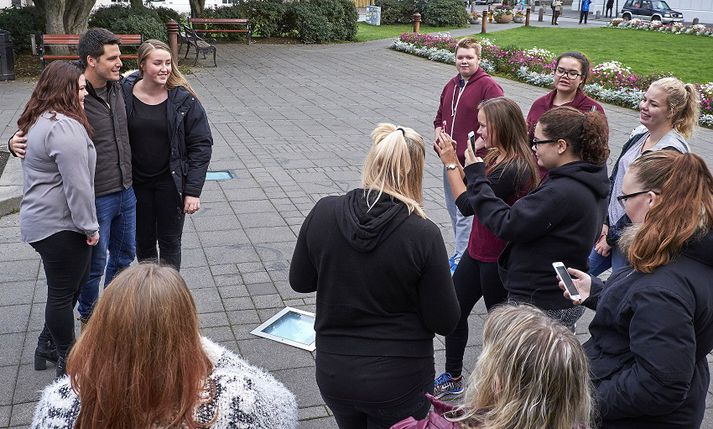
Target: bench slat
x,y
73,40
219,21
219,30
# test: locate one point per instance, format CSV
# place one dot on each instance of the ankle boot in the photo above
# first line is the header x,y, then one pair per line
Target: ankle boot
x,y
61,369
45,351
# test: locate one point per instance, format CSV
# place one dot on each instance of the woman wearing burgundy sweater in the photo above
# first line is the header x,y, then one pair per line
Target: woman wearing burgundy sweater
x,y
571,75
512,172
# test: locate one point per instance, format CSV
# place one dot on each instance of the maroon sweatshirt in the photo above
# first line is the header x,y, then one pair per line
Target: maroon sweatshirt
x,y
479,87
581,102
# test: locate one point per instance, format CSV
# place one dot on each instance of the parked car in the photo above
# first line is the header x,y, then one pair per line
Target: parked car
x,y
653,10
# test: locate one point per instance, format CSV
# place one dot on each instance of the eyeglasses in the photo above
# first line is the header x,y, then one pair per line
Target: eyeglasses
x,y
572,74
536,142
623,198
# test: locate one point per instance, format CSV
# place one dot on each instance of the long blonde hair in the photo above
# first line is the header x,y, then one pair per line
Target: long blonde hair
x,y
394,165
531,374
140,361
175,78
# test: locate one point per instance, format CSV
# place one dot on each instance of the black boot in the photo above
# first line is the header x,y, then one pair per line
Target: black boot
x,y
45,351
61,369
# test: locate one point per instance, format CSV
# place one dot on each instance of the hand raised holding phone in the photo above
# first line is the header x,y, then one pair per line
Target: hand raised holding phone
x,y
579,281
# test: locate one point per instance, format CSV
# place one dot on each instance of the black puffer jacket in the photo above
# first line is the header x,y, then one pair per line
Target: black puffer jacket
x,y
650,338
190,137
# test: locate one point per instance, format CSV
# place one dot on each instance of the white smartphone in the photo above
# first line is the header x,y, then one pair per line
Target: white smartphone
x,y
563,275
471,140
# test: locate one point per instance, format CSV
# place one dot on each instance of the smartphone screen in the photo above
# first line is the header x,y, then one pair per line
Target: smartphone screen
x,y
471,140
562,273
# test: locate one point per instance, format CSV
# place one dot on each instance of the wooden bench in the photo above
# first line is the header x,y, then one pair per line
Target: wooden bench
x,y
72,40
222,25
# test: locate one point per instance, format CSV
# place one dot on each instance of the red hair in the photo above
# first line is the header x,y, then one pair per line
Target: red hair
x,y
140,361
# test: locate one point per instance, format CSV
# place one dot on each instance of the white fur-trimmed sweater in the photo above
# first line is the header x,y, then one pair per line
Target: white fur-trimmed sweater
x,y
245,397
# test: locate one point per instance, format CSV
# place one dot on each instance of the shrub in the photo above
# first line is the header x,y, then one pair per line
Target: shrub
x,y
441,13
124,20
400,11
319,21
165,14
266,16
22,22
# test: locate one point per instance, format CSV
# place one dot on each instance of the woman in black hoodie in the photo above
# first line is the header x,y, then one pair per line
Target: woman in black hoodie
x,y
653,329
380,270
560,219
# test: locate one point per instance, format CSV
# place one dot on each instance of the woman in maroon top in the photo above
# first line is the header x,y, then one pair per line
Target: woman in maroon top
x,y
571,75
513,172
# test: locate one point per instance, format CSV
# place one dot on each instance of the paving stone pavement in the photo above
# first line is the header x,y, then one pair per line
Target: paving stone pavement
x,y
292,123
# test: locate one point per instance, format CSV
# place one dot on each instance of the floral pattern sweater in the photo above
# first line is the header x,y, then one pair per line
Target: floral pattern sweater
x,y
245,397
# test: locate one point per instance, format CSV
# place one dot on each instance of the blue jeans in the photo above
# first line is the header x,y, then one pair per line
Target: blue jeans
x,y
461,224
598,263
116,214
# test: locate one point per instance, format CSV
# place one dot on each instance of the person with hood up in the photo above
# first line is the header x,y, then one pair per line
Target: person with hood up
x,y
570,75
457,116
171,146
668,114
557,221
653,327
379,268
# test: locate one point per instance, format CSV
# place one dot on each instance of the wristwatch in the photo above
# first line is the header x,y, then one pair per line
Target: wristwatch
x,y
451,166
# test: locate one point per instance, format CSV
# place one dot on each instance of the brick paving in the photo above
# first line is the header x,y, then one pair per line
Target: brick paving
x,y
292,123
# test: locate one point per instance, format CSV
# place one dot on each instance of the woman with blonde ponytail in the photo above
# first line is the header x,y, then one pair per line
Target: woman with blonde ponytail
x,y
380,270
669,114
653,327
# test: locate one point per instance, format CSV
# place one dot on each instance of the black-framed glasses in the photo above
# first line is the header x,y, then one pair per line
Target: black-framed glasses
x,y
572,74
536,142
623,198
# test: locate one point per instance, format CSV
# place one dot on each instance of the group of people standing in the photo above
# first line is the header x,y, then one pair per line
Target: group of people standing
x,y
522,193
111,165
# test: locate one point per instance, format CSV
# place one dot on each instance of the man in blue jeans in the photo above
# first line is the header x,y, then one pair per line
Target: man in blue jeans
x,y
115,201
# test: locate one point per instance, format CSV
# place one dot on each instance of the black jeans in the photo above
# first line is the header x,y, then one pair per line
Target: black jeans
x,y
374,392
66,257
472,279
159,218
583,16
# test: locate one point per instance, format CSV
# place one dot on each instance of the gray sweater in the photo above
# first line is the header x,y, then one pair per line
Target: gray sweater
x,y
58,179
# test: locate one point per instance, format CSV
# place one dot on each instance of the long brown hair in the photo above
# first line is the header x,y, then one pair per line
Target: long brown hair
x,y
175,78
683,210
532,374
586,133
140,361
508,129
57,91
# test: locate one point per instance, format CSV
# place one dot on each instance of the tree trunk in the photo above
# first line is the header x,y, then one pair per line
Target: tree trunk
x,y
53,11
137,4
76,15
197,7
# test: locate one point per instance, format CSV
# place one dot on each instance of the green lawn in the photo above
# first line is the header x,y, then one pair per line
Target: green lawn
x,y
368,32
687,57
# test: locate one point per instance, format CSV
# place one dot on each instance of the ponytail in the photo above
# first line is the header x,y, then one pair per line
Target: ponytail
x,y
684,208
682,101
587,133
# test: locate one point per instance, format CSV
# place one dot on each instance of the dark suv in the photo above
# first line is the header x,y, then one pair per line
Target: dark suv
x,y
654,10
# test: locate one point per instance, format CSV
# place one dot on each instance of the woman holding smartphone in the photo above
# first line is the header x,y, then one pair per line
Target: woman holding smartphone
x,y
512,171
653,330
57,214
557,221
170,151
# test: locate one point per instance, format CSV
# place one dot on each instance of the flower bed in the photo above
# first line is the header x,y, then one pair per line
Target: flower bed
x,y
610,82
675,28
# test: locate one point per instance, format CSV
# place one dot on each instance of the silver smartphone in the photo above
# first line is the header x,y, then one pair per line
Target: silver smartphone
x,y
471,140
563,275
